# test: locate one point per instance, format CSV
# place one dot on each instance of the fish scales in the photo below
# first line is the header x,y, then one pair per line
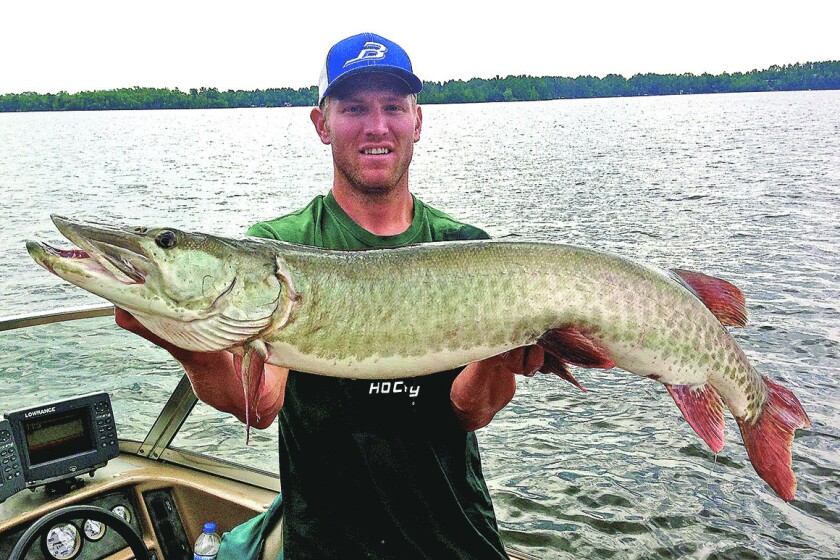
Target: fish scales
x,y
487,297
454,302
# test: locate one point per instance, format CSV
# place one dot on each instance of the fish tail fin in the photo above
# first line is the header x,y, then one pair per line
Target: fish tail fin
x,y
702,408
251,368
768,439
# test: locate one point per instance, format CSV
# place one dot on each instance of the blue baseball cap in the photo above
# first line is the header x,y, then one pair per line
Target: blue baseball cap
x,y
365,52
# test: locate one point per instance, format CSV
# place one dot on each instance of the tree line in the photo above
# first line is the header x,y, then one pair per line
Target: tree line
x,y
792,77
156,98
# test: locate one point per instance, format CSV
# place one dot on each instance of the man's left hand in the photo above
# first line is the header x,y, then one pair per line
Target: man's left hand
x,y
525,360
484,388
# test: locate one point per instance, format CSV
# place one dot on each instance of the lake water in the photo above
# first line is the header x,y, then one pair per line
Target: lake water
x,y
744,186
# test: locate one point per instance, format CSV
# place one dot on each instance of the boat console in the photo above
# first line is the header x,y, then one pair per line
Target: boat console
x,y
46,448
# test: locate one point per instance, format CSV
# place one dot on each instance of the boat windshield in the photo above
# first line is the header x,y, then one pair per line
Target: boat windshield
x,y
47,362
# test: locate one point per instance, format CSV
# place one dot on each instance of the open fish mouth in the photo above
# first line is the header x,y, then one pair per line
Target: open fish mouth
x,y
117,268
100,253
121,269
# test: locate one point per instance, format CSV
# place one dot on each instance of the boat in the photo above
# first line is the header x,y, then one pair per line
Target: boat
x,y
75,488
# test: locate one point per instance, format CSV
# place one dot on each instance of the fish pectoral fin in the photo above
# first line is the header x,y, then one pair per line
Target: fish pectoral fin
x,y
723,299
768,439
250,366
702,408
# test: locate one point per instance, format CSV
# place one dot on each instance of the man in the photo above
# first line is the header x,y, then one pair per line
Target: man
x,y
368,471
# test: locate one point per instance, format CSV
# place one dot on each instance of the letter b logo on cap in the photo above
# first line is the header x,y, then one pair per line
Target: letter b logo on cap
x,y
371,51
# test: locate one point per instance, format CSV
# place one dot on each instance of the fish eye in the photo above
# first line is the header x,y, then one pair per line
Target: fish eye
x,y
166,239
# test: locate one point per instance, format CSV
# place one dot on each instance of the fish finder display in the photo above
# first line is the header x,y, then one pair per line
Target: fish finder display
x,y
60,435
61,440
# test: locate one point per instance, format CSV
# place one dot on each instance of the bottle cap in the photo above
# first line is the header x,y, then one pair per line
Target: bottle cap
x,y
210,527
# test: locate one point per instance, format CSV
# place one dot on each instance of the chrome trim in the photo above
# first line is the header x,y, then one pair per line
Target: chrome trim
x,y
219,467
47,317
210,465
129,446
169,421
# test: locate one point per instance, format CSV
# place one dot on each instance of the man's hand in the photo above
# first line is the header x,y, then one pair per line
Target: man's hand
x,y
483,388
525,360
214,378
130,323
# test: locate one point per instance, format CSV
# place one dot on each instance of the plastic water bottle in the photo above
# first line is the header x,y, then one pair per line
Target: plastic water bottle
x,y
207,544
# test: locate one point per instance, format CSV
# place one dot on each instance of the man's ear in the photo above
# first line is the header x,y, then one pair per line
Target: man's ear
x,y
320,122
418,123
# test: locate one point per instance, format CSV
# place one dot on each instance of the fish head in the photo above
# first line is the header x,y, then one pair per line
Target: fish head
x,y
197,291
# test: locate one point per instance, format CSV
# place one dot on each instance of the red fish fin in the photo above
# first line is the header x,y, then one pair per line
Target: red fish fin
x,y
769,438
575,347
702,407
723,299
251,368
553,364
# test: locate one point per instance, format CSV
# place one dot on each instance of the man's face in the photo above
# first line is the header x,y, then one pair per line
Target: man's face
x,y
371,125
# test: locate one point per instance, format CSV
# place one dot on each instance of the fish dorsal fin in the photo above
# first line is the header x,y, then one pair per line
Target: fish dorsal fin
x,y
702,407
723,299
208,334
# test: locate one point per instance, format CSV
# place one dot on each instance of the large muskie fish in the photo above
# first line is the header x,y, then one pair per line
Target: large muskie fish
x,y
426,308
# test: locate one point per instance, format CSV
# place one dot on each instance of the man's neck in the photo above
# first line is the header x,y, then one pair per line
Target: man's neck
x,y
381,214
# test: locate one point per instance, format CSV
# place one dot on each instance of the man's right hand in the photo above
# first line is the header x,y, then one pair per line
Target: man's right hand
x,y
130,323
213,376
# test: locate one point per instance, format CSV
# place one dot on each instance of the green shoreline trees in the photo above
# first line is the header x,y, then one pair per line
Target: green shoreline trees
x,y
792,77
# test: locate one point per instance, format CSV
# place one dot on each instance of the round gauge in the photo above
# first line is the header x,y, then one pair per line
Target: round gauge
x,y
63,541
94,530
123,512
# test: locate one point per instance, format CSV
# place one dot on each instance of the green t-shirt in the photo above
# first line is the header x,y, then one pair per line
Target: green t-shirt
x,y
378,469
323,223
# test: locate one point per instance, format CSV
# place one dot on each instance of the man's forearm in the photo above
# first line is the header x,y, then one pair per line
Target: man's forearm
x,y
216,382
214,378
484,388
480,391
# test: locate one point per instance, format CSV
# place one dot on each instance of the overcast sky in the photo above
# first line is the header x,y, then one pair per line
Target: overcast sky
x,y
50,46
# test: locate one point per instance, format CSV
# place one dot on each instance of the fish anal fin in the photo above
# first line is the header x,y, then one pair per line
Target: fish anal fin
x,y
768,439
702,408
723,299
553,364
574,346
250,366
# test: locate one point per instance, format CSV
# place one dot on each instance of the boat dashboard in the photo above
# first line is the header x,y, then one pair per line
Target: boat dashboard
x,y
60,455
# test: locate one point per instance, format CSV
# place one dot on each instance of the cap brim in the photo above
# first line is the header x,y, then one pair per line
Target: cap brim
x,y
412,82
